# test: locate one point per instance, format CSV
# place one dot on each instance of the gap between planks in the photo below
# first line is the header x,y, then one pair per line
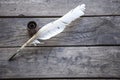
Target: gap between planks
x,y
55,16
103,45
67,78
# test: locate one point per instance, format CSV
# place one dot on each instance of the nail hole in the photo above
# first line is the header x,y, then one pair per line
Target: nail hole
x,y
32,25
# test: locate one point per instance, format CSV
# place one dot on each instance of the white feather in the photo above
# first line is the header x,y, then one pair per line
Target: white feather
x,y
52,29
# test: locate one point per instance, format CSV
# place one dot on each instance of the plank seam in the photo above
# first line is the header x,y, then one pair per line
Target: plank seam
x,y
63,46
63,78
53,16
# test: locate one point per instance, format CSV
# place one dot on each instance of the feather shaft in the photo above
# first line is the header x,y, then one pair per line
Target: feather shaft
x,y
23,46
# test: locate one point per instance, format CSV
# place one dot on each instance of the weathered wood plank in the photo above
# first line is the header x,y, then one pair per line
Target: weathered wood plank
x,y
84,31
57,7
61,62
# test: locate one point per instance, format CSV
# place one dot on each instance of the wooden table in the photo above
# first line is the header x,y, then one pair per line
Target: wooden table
x,y
88,48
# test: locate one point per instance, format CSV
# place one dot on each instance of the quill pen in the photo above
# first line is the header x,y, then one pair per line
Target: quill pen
x,y
53,28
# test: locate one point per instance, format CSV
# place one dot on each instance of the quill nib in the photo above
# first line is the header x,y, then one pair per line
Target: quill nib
x,y
23,46
12,57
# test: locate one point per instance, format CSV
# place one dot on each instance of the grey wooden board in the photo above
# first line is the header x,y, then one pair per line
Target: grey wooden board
x,y
57,7
84,31
61,62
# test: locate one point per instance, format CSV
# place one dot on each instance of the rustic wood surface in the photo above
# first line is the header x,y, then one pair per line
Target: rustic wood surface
x,y
84,31
61,61
57,7
88,47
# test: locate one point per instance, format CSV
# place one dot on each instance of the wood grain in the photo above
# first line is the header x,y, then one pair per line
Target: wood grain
x,y
57,7
61,62
67,54
84,31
